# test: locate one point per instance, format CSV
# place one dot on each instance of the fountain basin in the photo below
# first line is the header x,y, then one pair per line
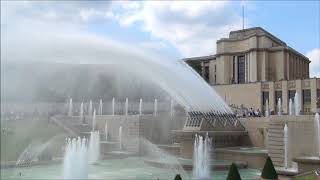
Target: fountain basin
x,y
187,164
307,163
126,168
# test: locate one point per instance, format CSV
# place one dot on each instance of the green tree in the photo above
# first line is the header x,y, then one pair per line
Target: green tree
x,y
268,171
178,177
233,173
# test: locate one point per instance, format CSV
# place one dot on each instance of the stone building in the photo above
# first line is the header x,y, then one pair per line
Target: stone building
x,y
252,65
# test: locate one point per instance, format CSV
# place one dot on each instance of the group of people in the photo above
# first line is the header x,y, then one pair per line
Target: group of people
x,y
249,113
254,113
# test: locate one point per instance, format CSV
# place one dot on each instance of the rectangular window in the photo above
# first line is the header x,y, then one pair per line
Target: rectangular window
x,y
277,95
241,69
206,73
291,94
233,70
265,97
318,98
306,100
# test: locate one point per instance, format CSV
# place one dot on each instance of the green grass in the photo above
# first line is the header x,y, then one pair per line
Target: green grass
x,y
311,176
24,132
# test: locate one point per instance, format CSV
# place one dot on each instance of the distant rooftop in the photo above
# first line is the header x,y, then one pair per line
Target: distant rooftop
x,y
243,34
255,31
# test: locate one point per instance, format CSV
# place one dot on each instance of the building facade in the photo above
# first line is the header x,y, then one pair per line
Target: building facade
x,y
252,66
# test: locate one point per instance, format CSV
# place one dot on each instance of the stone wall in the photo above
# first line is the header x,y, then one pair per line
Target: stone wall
x,y
300,137
134,127
257,129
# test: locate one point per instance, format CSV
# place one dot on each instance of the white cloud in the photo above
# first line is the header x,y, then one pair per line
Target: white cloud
x,y
314,56
191,26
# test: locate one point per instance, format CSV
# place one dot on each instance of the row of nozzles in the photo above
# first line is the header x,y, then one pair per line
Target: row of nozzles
x,y
194,119
126,107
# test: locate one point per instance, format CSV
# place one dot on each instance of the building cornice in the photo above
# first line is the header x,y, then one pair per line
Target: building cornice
x,y
273,49
265,33
200,58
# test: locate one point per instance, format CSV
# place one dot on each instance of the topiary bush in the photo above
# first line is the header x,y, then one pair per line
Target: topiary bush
x,y
233,173
268,171
178,177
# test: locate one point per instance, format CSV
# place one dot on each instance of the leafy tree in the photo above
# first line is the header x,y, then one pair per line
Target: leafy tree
x,y
178,177
233,173
268,171
196,65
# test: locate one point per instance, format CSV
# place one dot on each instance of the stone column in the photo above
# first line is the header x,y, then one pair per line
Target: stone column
x,y
271,97
299,90
313,90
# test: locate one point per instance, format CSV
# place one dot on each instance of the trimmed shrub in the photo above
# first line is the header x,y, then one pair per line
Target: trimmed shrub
x,y
233,173
268,171
178,177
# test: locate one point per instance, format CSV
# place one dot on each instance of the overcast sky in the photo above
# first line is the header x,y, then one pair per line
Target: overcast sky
x,y
170,29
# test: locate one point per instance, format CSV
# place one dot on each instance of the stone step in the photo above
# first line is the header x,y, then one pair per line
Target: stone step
x,y
276,151
276,143
277,159
275,136
276,155
274,147
275,131
276,139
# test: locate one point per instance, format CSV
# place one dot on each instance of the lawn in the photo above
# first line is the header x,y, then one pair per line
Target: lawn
x,y
311,176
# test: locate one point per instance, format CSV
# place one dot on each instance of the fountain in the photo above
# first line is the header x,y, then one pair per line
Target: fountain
x,y
201,157
75,163
120,138
285,140
113,103
155,108
81,112
126,107
94,147
171,108
279,107
291,110
106,130
100,107
297,104
140,107
94,122
317,134
267,108
70,112
90,109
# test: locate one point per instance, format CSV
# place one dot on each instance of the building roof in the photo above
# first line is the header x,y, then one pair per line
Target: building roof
x,y
200,58
254,31
246,33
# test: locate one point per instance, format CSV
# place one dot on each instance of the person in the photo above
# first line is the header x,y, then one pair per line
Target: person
x,y
259,113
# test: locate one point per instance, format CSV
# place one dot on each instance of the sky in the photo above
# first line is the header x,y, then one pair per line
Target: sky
x,y
167,29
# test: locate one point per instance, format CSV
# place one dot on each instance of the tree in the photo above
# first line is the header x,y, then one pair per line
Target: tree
x,y
233,173
268,171
178,177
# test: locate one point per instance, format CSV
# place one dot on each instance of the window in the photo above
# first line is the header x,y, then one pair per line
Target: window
x,y
277,95
291,94
318,98
206,73
306,100
265,97
233,69
241,69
